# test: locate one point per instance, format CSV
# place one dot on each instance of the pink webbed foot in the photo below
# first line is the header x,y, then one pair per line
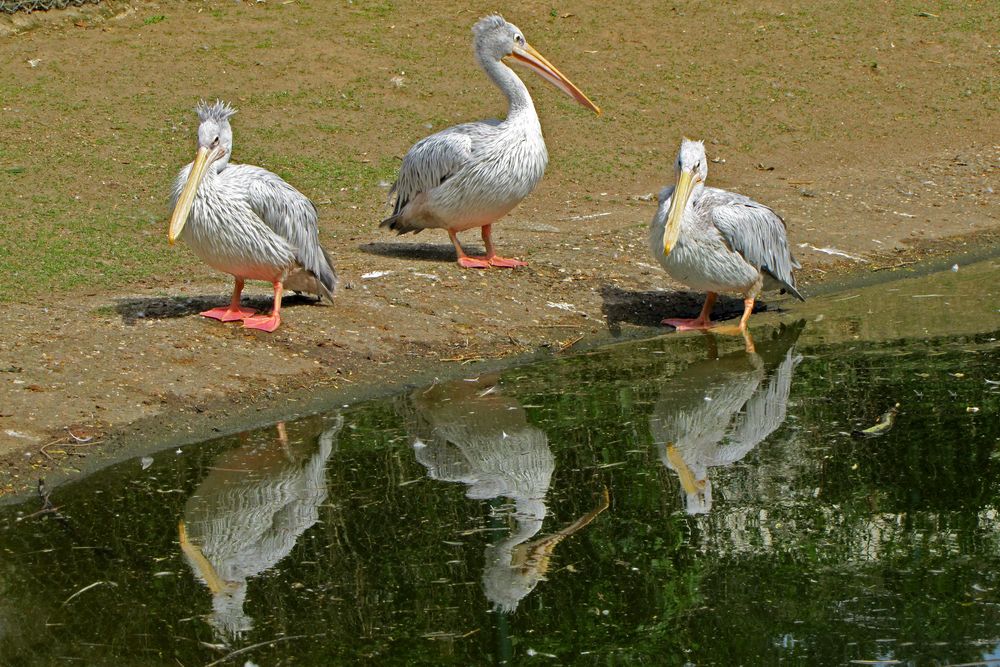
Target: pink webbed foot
x,y
266,323
228,314
473,263
505,263
688,325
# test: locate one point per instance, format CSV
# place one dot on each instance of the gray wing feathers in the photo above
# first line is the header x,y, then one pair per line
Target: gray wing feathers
x,y
294,218
428,164
766,409
758,234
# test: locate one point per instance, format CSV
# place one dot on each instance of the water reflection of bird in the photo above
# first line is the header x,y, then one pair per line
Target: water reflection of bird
x,y
473,174
248,222
250,509
470,432
718,241
720,409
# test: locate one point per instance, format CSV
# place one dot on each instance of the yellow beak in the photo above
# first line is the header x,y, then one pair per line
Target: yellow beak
x,y
526,55
678,204
180,215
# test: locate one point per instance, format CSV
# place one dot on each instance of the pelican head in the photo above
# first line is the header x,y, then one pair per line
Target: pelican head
x,y
495,39
215,143
690,170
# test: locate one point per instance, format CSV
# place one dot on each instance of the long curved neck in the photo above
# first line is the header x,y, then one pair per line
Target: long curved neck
x,y
518,100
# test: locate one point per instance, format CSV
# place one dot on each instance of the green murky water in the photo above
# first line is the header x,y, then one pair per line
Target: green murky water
x,y
669,501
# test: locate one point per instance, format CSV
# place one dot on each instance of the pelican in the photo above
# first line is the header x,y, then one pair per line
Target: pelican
x,y
469,431
248,222
249,511
473,174
718,241
723,409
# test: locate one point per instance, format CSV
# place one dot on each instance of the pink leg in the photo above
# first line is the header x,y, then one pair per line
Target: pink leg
x,y
464,260
270,322
703,321
491,253
233,312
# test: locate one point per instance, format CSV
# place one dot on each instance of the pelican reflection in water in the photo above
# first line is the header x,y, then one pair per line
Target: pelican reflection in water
x,y
720,409
470,432
248,512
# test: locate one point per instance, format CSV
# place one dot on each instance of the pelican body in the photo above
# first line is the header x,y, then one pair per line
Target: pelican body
x,y
718,241
248,222
473,174
722,409
469,431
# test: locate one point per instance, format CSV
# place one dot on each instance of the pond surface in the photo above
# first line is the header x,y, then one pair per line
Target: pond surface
x,y
676,500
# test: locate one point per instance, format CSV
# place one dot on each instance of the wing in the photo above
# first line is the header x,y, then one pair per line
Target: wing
x,y
757,233
764,413
290,215
431,161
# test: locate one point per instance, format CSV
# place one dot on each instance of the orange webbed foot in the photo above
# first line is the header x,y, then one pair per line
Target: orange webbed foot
x,y
266,323
473,263
228,314
696,324
504,262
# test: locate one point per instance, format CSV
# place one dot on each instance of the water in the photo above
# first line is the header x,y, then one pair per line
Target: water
x,y
669,501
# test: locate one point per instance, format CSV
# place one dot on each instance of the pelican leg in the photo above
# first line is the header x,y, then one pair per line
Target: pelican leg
x,y
741,328
464,260
491,253
233,312
270,322
703,321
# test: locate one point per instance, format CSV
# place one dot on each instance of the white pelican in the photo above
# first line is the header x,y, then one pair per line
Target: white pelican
x,y
469,431
718,241
473,174
249,511
722,409
246,221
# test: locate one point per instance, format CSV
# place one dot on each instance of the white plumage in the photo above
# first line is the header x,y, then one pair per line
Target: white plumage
x,y
473,174
248,513
718,241
719,412
248,222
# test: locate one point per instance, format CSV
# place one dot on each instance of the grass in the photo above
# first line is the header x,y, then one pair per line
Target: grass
x,y
89,149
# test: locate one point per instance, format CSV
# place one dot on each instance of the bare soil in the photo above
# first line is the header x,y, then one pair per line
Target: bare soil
x,y
871,129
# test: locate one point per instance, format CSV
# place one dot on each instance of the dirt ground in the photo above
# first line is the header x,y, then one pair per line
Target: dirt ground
x,y
871,129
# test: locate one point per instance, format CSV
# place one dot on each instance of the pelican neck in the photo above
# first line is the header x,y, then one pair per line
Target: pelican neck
x,y
518,100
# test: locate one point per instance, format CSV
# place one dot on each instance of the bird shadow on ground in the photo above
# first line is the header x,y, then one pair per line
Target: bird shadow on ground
x,y
134,309
648,308
427,252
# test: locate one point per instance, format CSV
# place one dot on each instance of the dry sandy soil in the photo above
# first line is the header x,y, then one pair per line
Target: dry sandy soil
x,y
872,128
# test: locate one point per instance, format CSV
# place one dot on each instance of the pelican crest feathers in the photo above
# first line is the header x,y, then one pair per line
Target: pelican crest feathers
x,y
488,23
219,111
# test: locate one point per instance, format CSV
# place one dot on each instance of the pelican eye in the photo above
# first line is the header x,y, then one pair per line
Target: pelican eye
x,y
519,39
215,142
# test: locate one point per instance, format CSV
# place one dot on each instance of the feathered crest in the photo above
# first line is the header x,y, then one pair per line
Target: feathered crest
x,y
219,111
488,23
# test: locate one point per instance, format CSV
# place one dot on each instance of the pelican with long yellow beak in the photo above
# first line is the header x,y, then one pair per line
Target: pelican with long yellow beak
x,y
248,222
473,174
718,241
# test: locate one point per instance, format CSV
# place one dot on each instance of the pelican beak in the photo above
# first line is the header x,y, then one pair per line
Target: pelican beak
x,y
526,55
204,158
678,203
